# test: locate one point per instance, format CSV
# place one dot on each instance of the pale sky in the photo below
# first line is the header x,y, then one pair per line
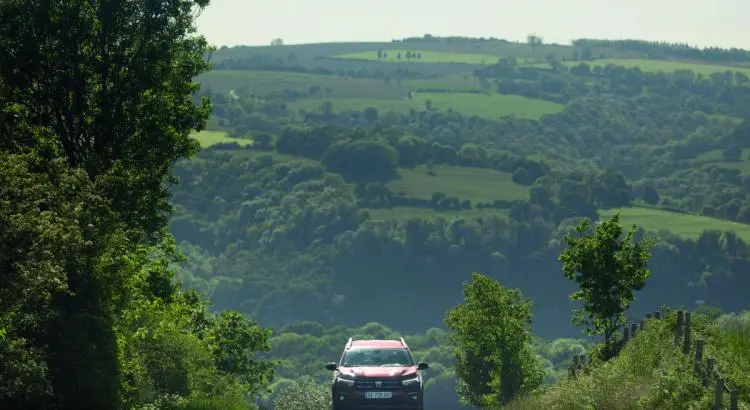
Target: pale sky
x,y
724,23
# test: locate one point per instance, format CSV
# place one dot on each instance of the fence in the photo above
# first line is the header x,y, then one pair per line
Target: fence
x,y
707,372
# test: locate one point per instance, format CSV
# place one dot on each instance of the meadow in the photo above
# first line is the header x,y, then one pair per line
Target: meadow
x,y
208,138
715,157
262,83
665,65
427,57
684,225
492,106
405,213
474,184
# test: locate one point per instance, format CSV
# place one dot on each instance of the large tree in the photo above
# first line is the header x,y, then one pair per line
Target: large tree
x,y
113,80
608,268
96,106
491,332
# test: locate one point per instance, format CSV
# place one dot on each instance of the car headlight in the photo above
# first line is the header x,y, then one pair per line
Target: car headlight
x,y
409,382
344,379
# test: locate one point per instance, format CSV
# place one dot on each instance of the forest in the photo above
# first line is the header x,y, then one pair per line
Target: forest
x,y
186,226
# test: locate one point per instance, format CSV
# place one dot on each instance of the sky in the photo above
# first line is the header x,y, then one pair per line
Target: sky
x,y
704,23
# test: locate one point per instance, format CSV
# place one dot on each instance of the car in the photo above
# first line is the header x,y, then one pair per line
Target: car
x,y
377,374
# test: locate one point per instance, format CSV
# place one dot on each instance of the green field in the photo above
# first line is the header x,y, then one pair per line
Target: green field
x,y
405,213
209,138
455,83
427,57
262,83
664,65
474,184
684,225
715,158
493,106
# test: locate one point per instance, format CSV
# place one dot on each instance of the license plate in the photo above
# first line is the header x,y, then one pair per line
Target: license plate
x,y
378,395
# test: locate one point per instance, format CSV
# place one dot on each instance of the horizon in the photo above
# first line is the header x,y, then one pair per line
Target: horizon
x,y
234,22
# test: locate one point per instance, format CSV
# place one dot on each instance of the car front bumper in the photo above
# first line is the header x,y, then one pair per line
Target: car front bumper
x,y
355,399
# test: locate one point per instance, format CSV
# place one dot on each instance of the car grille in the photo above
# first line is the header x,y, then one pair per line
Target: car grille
x,y
370,384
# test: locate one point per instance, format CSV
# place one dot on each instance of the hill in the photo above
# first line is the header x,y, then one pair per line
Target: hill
x,y
652,372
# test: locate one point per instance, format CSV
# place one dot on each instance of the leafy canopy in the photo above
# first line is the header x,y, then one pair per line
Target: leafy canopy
x,y
608,269
491,332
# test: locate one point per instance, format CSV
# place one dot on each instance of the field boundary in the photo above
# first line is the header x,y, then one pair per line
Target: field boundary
x,y
707,371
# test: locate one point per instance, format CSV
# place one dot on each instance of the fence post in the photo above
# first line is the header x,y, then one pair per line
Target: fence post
x,y
733,399
678,328
719,393
686,345
657,315
699,360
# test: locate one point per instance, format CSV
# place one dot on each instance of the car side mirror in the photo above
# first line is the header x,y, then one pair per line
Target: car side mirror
x,y
423,366
332,366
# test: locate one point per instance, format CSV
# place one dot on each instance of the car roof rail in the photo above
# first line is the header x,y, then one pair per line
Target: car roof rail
x,y
403,342
349,343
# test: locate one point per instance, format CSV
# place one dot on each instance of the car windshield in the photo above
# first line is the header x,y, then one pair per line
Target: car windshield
x,y
377,357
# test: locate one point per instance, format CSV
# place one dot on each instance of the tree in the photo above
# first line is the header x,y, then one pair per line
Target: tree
x,y
116,92
491,332
97,103
609,269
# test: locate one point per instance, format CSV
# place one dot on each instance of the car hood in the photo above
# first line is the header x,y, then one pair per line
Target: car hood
x,y
379,371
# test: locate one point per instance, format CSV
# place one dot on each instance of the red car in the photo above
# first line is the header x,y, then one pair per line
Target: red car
x,y
377,374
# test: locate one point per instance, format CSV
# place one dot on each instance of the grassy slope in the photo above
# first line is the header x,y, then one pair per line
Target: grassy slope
x,y
663,65
684,225
651,373
481,185
427,57
208,138
493,106
346,93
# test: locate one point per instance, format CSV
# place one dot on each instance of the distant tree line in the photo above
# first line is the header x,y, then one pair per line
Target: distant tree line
x,y
663,49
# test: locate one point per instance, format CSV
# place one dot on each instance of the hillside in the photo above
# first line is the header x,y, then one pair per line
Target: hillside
x,y
187,228
651,372
363,165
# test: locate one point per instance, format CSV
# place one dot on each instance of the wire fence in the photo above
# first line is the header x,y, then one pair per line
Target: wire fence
x,y
706,370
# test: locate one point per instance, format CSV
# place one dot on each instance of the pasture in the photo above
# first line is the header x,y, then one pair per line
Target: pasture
x,y
399,55
262,83
208,138
405,213
715,157
493,106
665,66
684,225
474,184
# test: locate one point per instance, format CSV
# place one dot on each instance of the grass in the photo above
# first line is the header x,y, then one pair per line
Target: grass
x,y
684,225
649,373
427,57
715,157
209,138
493,106
664,65
405,213
456,83
262,83
474,184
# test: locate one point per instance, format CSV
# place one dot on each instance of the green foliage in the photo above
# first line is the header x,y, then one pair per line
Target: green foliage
x,y
608,269
650,372
494,361
116,91
302,394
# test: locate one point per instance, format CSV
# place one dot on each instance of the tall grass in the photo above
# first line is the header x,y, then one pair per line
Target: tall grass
x,y
651,373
